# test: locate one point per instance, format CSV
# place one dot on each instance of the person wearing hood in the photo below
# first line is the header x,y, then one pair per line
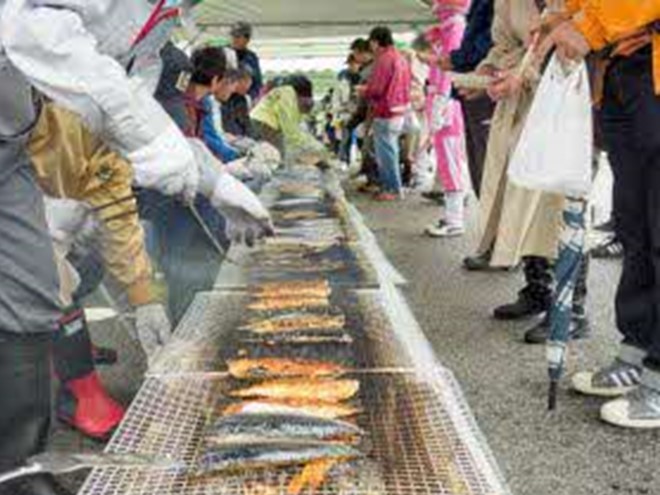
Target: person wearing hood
x,y
100,61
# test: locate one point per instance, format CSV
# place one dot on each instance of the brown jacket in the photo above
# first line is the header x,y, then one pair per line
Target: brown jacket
x,y
70,162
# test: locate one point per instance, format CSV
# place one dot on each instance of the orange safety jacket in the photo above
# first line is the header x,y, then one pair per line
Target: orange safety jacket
x,y
624,25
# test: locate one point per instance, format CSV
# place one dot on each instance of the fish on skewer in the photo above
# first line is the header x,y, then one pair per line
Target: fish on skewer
x,y
323,389
299,215
300,337
296,321
242,458
314,408
247,429
243,369
286,303
312,288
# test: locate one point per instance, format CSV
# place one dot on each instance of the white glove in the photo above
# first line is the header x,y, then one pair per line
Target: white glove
x,y
247,219
238,168
167,164
153,328
263,160
70,221
259,169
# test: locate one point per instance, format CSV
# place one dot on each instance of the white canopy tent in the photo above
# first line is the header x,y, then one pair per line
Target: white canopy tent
x,y
310,34
311,18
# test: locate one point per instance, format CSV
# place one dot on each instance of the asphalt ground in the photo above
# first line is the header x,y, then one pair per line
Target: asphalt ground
x,y
569,452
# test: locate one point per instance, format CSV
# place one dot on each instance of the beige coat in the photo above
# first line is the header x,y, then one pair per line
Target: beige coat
x,y
516,222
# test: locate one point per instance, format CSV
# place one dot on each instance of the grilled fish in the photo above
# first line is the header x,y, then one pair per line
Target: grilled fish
x,y
312,288
241,458
303,388
245,429
284,303
313,476
321,266
276,367
301,215
296,321
317,409
305,337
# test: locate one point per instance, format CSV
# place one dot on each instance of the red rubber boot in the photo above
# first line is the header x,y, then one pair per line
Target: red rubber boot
x,y
85,405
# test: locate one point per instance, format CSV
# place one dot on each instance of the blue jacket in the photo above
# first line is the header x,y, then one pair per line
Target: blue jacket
x,y
477,41
212,138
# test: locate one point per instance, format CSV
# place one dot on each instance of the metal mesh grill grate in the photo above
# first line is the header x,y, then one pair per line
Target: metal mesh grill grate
x,y
417,443
211,318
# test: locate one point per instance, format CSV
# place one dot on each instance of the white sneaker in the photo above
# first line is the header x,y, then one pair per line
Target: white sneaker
x,y
640,409
614,380
443,230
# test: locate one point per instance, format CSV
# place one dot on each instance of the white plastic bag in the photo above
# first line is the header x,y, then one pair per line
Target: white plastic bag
x,y
555,149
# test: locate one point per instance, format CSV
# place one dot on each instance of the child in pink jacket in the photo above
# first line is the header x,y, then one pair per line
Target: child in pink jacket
x,y
445,115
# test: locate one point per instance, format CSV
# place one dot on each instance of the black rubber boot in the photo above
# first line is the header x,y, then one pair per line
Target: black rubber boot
x,y
579,326
536,297
25,415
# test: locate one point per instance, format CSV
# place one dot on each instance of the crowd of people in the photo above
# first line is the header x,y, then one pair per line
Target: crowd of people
x,y
404,107
121,152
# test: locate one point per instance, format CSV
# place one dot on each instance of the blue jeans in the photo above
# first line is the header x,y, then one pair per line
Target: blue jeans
x,y
386,139
180,247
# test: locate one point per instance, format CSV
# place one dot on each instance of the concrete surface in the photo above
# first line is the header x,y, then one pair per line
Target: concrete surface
x,y
505,381
568,453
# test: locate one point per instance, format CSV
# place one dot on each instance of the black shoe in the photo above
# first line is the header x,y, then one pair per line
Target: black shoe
x,y
481,263
524,307
478,263
607,227
435,196
610,249
579,329
42,484
104,356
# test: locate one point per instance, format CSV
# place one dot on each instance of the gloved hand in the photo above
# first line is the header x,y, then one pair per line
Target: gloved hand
x,y
247,219
238,168
263,160
153,327
259,169
70,222
167,164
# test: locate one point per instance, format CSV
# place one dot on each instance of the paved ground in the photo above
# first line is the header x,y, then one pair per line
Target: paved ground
x,y
568,453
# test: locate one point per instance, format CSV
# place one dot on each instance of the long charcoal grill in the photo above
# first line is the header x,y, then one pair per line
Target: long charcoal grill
x,y
415,443
423,439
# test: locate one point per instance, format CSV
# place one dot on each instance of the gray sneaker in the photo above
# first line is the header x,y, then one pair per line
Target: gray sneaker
x,y
639,409
614,380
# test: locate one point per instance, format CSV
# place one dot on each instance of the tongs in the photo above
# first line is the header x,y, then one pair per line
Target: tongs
x,y
63,463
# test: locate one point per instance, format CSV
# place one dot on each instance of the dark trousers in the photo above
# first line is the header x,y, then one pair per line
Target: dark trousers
x,y
631,128
181,248
477,114
25,381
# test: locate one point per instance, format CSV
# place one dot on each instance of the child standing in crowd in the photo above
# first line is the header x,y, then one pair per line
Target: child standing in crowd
x,y
445,116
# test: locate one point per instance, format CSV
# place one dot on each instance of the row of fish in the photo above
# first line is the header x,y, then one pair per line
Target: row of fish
x,y
293,405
